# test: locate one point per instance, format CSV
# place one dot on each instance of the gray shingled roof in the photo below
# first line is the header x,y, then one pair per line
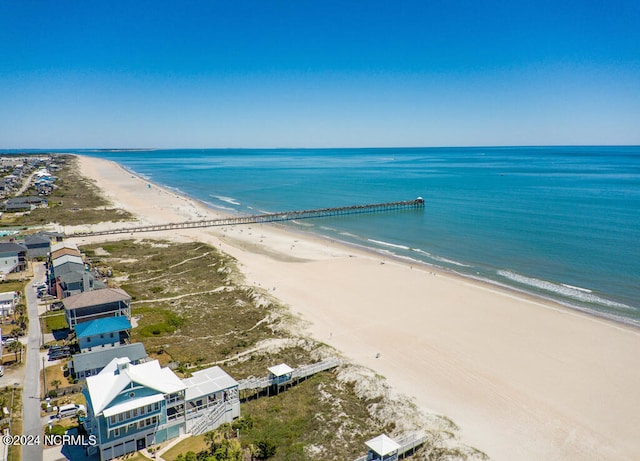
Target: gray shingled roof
x,y
96,297
10,247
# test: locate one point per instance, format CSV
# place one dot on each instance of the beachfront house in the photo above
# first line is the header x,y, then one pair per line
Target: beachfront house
x,y
211,400
13,257
103,333
8,301
128,406
96,304
91,363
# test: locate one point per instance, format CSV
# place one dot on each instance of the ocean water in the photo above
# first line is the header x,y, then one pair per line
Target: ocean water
x,y
562,223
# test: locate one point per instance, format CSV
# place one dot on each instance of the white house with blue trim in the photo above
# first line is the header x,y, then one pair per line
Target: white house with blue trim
x,y
130,407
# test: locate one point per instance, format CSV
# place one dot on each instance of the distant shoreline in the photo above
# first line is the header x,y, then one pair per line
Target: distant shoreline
x,y
489,283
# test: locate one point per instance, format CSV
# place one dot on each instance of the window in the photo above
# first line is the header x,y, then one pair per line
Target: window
x,y
135,411
120,417
112,419
116,432
128,415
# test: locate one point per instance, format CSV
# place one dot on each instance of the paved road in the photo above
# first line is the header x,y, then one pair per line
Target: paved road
x,y
31,396
25,184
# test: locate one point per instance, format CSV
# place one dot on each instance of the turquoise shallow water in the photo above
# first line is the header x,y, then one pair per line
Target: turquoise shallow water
x,y
558,222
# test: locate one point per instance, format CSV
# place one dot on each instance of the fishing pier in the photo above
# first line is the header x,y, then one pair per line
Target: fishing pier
x,y
417,203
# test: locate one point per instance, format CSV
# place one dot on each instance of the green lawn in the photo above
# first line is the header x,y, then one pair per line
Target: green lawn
x,y
195,444
55,321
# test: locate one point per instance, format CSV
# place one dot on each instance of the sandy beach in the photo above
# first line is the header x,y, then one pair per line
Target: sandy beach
x,y
524,379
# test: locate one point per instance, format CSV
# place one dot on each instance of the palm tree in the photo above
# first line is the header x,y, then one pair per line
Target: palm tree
x,y
20,309
15,347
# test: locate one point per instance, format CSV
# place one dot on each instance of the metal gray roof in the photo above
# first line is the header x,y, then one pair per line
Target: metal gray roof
x,y
100,358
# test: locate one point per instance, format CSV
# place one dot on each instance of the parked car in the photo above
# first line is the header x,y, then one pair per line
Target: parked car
x,y
72,409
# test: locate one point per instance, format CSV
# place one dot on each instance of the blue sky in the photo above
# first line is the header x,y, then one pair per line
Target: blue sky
x,y
236,73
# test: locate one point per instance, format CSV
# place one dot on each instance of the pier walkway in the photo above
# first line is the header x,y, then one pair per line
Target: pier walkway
x,y
265,218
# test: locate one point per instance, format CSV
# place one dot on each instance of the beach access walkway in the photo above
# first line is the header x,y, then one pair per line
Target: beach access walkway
x,y
417,203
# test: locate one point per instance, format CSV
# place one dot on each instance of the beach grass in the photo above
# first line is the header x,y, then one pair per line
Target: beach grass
x,y
193,310
317,419
184,299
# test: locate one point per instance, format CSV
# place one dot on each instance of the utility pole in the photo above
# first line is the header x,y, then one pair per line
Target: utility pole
x,y
44,377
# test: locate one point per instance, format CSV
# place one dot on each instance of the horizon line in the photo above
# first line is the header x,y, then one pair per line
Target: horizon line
x,y
148,149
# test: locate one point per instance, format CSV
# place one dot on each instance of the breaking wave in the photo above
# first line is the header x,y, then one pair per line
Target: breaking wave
x,y
569,291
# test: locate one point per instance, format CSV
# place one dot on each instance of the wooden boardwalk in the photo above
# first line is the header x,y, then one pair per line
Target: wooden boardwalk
x,y
254,387
265,218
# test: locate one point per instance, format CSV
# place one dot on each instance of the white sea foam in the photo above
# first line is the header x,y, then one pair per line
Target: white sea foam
x,y
577,293
230,200
439,258
586,290
219,207
300,223
387,244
